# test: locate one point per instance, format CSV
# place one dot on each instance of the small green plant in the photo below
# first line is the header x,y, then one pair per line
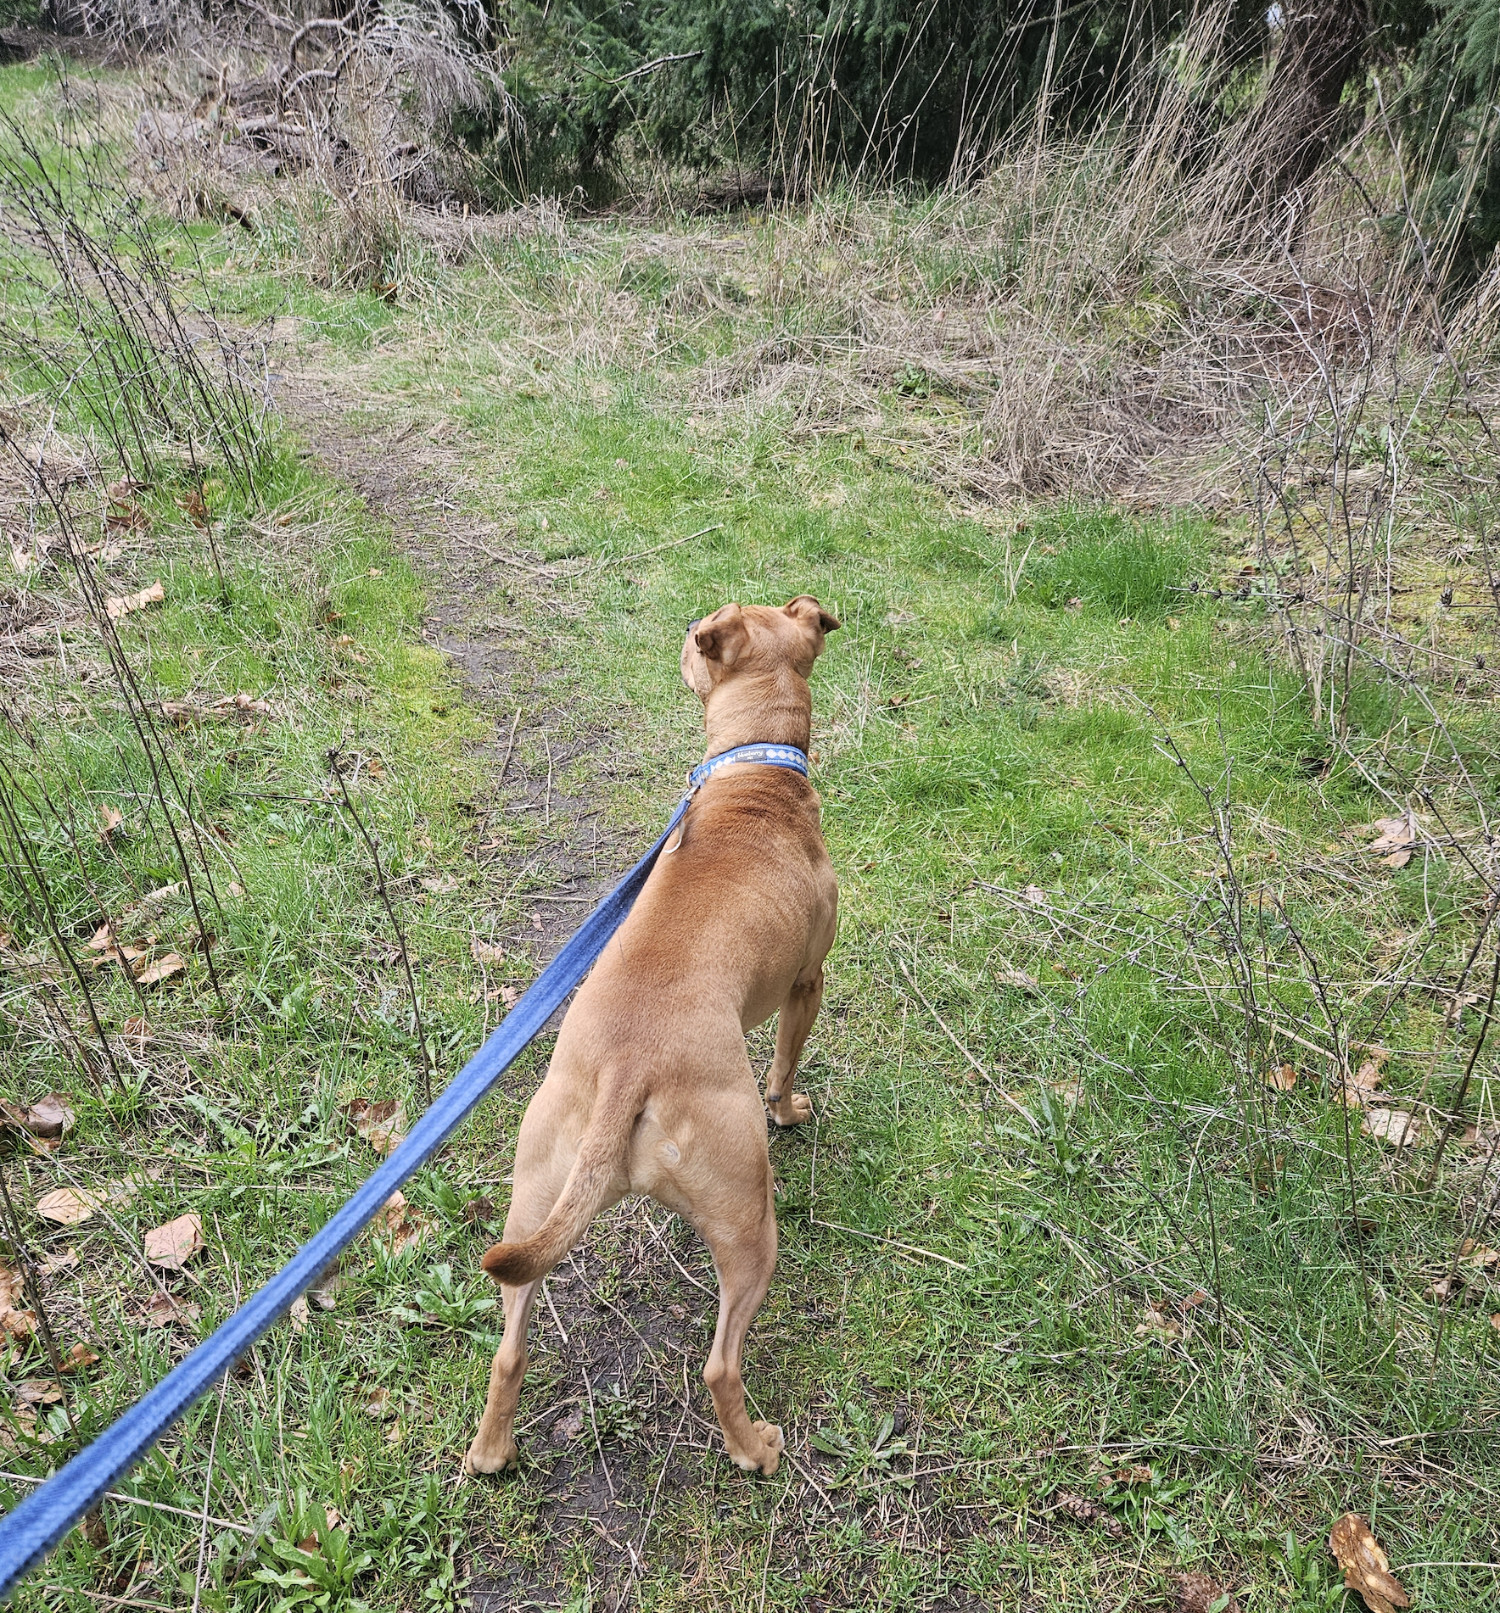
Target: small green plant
x,y
1310,1580
446,1301
313,1563
620,1417
1055,1148
419,1541
1145,1506
865,1451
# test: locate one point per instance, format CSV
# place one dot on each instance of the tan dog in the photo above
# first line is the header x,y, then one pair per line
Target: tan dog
x,y
650,1088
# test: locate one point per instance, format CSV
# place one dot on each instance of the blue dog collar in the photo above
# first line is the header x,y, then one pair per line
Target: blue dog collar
x,y
787,756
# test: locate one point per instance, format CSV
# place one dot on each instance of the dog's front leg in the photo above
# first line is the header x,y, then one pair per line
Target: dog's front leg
x,y
793,1027
494,1445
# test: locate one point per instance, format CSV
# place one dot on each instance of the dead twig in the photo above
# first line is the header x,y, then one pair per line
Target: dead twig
x,y
373,847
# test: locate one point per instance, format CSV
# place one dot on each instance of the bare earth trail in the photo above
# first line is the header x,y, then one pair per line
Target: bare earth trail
x,y
615,1424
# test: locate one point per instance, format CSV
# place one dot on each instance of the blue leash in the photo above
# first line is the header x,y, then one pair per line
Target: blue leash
x,y
35,1526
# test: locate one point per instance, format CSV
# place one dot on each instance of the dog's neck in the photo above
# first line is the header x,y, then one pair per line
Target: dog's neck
x,y
774,709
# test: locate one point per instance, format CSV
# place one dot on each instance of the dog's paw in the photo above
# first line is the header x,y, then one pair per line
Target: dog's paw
x,y
791,1110
775,1444
767,1458
482,1458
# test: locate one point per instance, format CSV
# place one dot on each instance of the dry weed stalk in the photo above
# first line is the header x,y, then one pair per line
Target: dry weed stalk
x,y
92,318
345,120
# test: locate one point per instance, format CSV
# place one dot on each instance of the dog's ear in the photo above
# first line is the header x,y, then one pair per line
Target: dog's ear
x,y
804,608
723,636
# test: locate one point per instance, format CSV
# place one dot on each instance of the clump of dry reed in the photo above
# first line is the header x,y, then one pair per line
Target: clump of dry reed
x,y
1096,316
342,125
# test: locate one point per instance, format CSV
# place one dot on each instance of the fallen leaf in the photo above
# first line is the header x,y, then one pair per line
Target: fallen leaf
x,y
47,1117
1366,1567
162,969
1444,1288
58,1260
68,1206
162,1310
379,1405
125,604
122,491
1477,1255
486,954
127,954
478,1212
568,1427
1381,1055
111,819
1017,979
325,1292
1396,1126
80,1356
174,1243
39,1392
1282,1079
1036,896
230,707
16,1321
1133,1476
299,1315
379,1123
1398,837
1197,1593
1155,1320
394,1437
128,518
398,1225
1366,1078
26,1424
440,884
197,510
139,1030
1069,1091
510,995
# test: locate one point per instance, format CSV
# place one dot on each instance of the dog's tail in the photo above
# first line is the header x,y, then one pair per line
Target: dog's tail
x,y
588,1187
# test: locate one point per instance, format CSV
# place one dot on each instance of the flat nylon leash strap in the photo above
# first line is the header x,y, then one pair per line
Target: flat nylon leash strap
x,y
36,1525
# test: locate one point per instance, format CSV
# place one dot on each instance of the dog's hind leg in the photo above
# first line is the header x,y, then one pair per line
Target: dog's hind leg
x,y
798,1012
744,1251
494,1446
538,1182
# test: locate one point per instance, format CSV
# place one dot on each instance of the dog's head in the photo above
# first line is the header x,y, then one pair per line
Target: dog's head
x,y
756,640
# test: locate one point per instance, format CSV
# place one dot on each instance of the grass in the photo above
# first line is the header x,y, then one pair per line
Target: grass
x,y
1069,1303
